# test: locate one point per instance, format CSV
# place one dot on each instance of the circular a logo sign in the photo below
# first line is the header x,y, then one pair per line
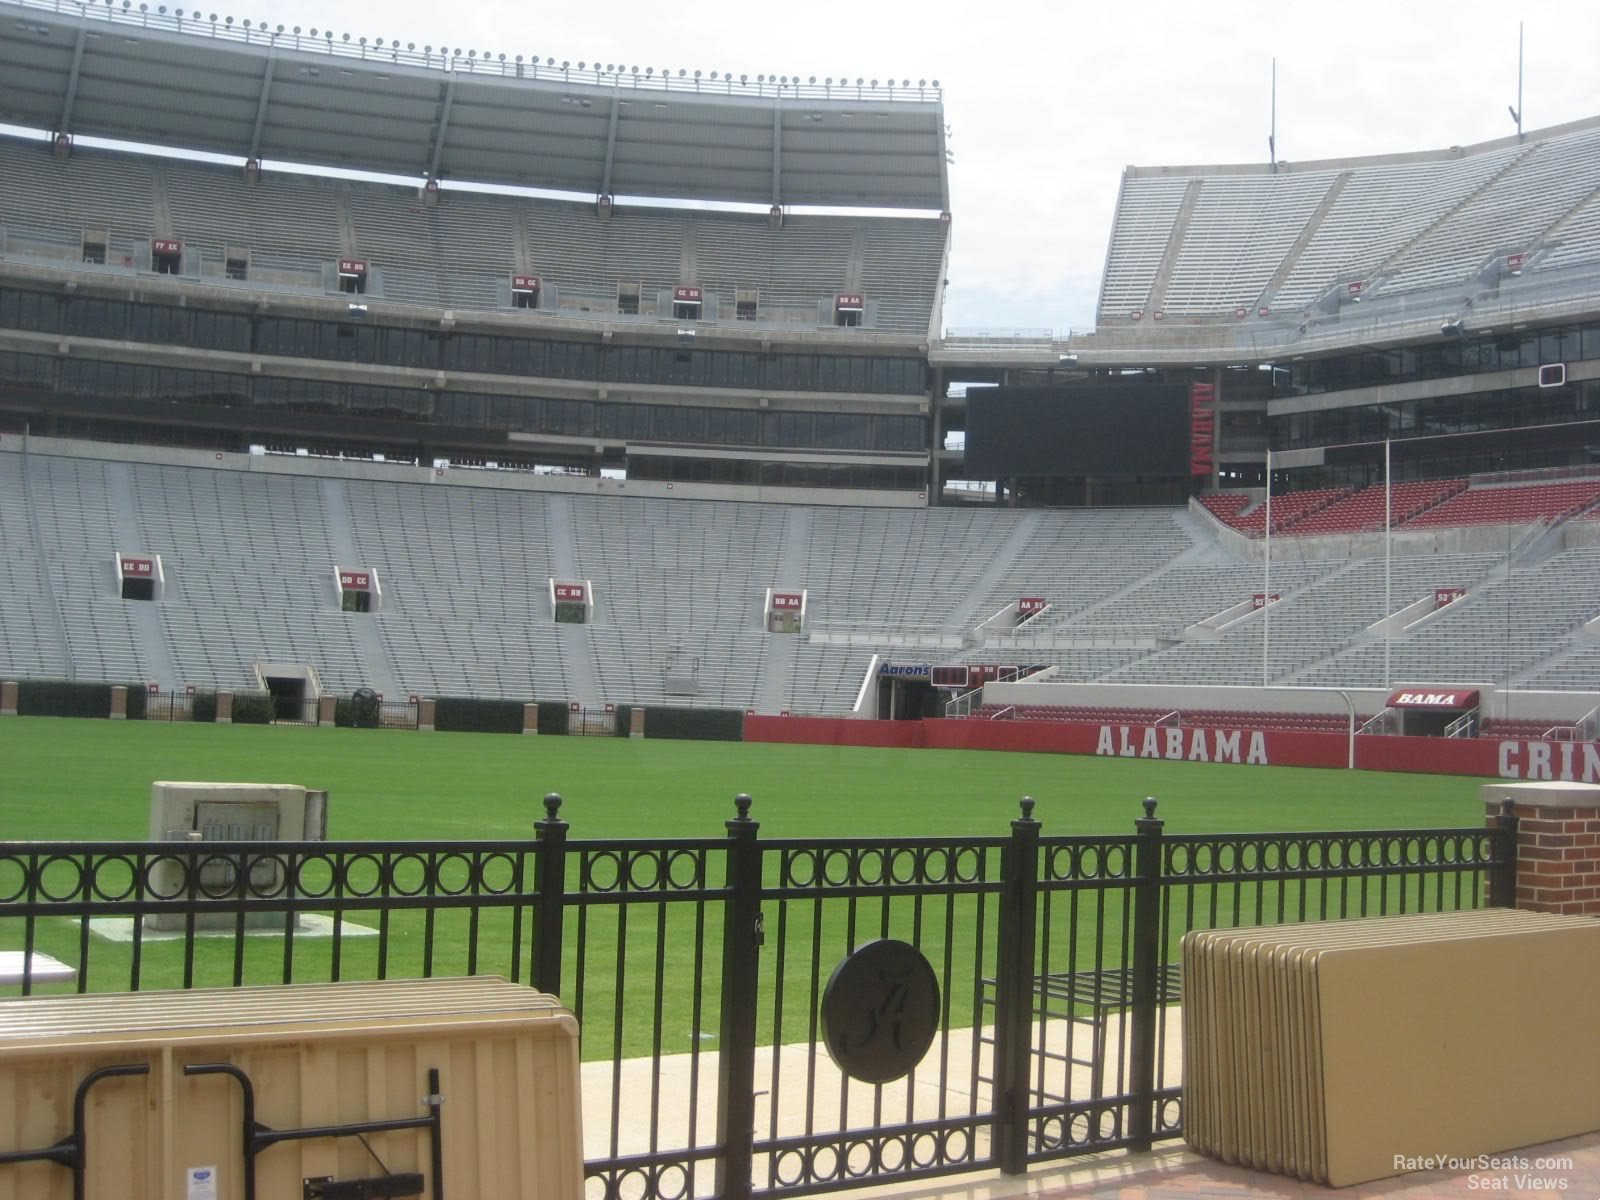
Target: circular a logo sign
x,y
880,1011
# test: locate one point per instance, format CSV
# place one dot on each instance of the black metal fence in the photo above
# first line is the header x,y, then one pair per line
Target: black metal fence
x,y
398,714
697,967
592,722
169,706
295,710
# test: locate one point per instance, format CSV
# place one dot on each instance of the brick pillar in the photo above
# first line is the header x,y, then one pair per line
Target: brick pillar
x,y
8,698
1558,843
327,708
530,719
119,703
224,708
636,722
424,716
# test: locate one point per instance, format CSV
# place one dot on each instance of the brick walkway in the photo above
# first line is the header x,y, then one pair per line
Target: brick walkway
x,y
1173,1173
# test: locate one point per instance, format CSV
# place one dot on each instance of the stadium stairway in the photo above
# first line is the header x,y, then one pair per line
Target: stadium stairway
x,y
58,626
577,641
29,645
152,648
1571,664
1180,233
795,549
379,668
968,612
1389,266
1206,552
775,683
774,686
1110,616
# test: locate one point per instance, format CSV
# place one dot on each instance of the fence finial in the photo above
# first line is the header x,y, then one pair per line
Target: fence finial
x,y
741,804
1026,805
552,805
1149,808
1508,807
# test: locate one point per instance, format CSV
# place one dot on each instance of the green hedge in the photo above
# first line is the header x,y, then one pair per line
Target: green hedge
x,y
695,724
460,714
252,708
62,698
553,717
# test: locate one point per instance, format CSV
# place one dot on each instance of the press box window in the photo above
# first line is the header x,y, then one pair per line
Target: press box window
x,y
353,276
138,578
571,603
94,246
166,256
686,303
524,291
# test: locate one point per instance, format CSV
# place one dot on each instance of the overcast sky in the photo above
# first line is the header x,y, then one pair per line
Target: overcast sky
x,y
1047,102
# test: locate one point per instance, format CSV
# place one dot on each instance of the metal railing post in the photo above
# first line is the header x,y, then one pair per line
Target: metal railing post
x,y
1014,989
550,885
736,1057
1503,880
1146,967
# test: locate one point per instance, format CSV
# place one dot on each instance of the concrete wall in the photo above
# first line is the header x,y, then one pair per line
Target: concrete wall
x,y
1495,702
1166,698
1467,539
514,481
1490,758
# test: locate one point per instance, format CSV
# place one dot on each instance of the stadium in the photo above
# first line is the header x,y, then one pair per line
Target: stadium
x,y
635,414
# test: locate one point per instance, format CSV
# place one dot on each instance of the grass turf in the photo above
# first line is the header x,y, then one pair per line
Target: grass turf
x,y
90,780
84,780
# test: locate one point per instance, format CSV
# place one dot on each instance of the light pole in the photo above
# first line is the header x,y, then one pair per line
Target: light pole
x,y
1388,567
1266,580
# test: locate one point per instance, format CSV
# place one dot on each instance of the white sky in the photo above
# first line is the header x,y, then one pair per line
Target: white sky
x,y
1047,102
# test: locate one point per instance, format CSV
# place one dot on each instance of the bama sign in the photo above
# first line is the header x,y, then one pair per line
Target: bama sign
x,y
1455,701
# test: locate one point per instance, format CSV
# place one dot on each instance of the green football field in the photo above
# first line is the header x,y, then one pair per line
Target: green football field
x,y
82,780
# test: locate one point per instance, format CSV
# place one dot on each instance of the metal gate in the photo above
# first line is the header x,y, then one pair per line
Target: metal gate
x,y
698,968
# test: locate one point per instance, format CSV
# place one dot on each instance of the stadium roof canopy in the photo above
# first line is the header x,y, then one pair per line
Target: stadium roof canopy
x,y
115,70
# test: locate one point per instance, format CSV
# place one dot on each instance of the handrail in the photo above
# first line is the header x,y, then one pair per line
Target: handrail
x,y
1379,723
962,705
1588,725
1535,530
